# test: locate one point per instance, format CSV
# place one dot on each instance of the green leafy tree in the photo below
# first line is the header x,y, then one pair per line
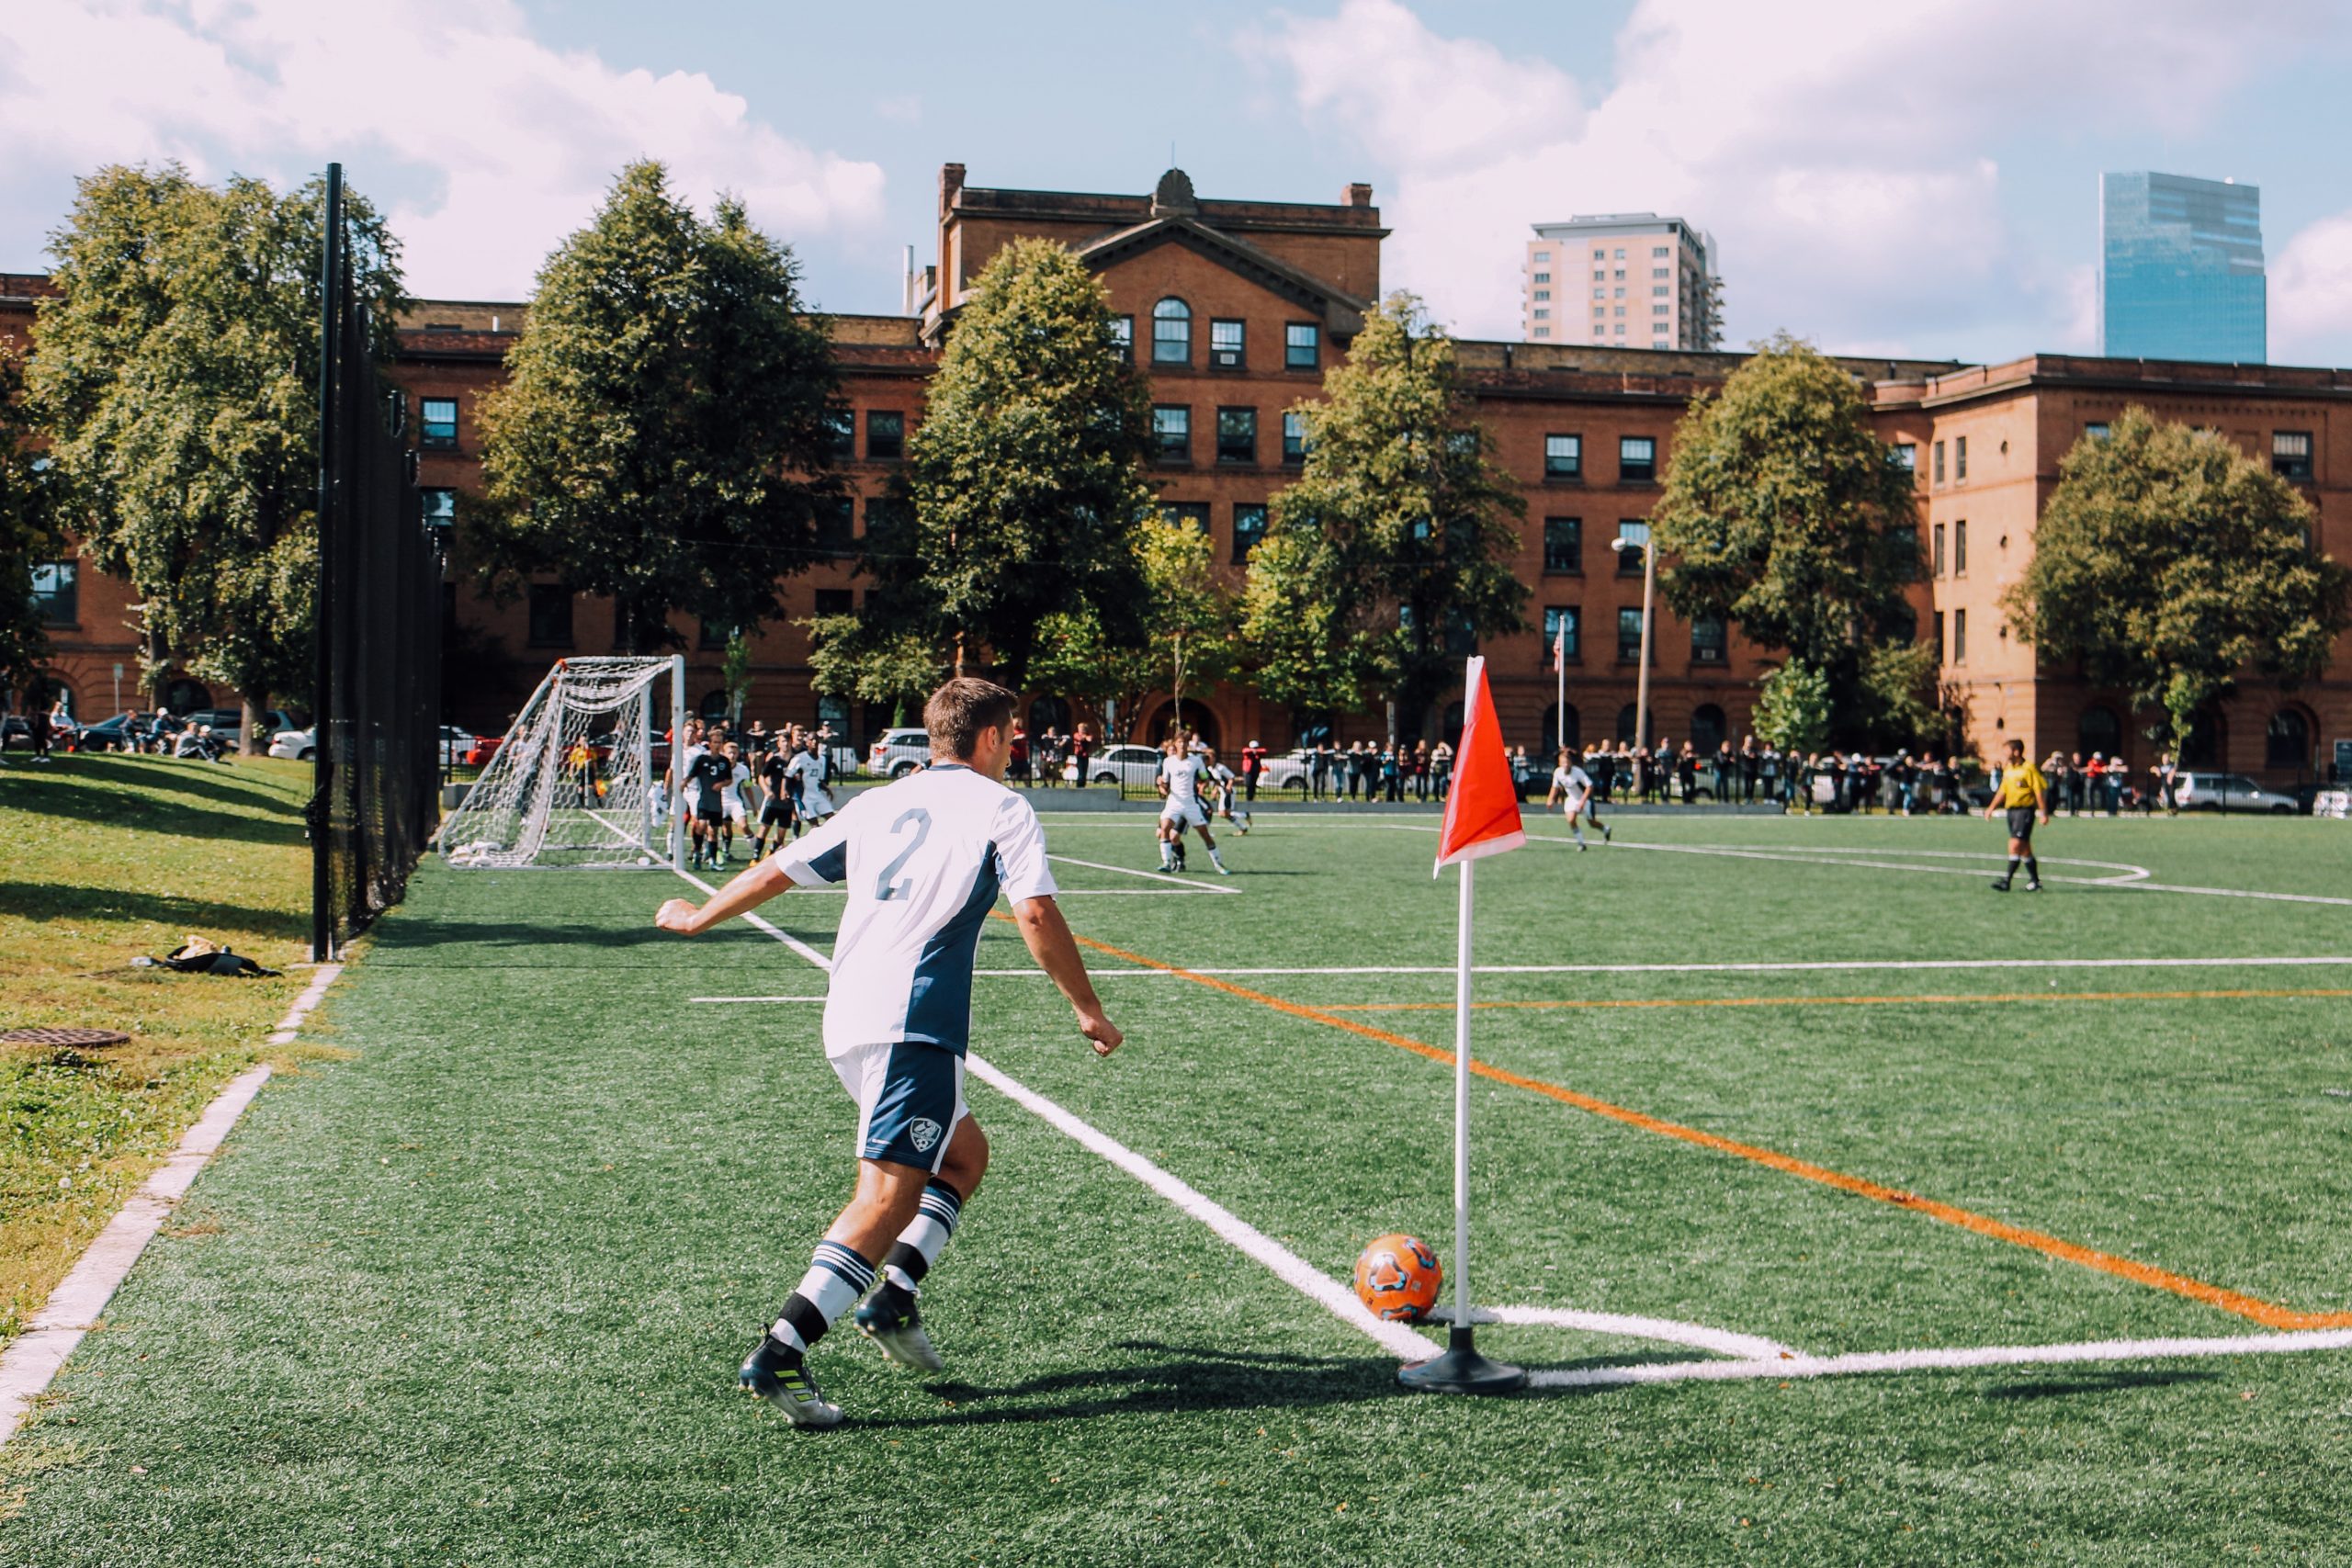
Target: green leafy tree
x,y
26,536
175,376
1792,707
1395,549
1189,630
1025,477
662,438
1786,514
2170,563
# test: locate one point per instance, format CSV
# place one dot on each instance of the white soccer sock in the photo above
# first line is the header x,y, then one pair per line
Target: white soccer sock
x,y
1167,854
1214,858
837,1276
925,1238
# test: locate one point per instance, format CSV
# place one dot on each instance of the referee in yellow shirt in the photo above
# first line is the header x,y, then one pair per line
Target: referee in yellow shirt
x,y
2024,793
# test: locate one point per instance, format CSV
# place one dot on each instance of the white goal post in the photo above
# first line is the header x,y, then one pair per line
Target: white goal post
x,y
573,784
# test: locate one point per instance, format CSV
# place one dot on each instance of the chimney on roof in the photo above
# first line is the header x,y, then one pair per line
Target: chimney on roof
x,y
1357,195
951,185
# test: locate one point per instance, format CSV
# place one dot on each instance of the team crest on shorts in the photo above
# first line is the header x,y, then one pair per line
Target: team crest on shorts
x,y
923,1132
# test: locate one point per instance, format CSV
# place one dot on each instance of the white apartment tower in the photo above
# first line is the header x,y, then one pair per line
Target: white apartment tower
x,y
1624,280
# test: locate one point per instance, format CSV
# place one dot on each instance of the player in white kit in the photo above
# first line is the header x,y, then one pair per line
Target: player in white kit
x,y
1572,785
923,861
1181,773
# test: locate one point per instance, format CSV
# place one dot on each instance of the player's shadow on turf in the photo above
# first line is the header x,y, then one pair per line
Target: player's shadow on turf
x,y
2095,1382
1195,1379
429,930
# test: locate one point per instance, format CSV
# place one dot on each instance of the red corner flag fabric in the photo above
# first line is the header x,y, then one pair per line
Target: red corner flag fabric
x,y
1482,811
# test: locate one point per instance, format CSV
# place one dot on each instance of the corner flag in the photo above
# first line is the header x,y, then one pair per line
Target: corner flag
x,y
1481,820
1482,808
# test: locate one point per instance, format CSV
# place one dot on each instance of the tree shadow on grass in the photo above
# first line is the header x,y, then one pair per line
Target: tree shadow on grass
x,y
409,929
68,901
122,806
144,777
2096,1383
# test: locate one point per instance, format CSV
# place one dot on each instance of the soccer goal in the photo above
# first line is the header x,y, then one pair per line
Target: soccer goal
x,y
575,782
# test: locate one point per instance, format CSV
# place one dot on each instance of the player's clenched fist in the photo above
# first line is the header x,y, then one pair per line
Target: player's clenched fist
x,y
677,915
1102,1032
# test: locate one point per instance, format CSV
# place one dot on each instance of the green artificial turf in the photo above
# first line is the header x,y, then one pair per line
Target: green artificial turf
x,y
477,1295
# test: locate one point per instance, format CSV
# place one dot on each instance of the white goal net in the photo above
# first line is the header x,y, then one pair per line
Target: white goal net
x,y
573,781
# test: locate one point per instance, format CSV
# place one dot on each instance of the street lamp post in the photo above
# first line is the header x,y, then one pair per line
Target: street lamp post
x,y
1637,537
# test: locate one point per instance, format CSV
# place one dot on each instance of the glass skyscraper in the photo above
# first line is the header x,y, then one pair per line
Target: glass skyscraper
x,y
2180,269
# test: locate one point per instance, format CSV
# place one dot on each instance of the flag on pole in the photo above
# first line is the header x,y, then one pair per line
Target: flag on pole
x,y
1482,810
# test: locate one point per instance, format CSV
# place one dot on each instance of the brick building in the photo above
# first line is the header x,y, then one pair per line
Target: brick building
x,y
1235,310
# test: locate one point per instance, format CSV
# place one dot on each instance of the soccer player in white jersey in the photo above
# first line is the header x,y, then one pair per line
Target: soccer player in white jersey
x,y
923,861
1229,791
808,768
1572,785
1180,772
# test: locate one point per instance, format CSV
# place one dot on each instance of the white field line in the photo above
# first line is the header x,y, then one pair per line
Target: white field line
x,y
1798,965
1955,1359
33,1358
756,998
793,943
1187,884
1409,1346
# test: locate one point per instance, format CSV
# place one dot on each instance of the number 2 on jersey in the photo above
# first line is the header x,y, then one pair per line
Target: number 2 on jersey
x,y
885,889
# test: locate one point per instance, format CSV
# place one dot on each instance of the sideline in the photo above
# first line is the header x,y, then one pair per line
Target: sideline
x,y
34,1357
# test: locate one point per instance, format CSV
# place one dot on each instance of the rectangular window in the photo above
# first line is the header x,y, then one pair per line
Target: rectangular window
x,y
550,616
886,436
1960,549
1939,460
2096,430
1660,309
1543,313
836,536
1293,439
1171,333
833,602
1542,278
1636,460
883,514
1171,432
1563,457
1302,346
1249,527
57,593
440,422
1959,637
1629,636
1939,637
1563,545
1237,435
2291,454
1960,458
1193,512
1940,550
1543,331
841,436
1658,291
1708,640
1226,345
1122,338
1629,561
1657,251
1907,454
1543,294
714,635
1559,619
1542,256
440,508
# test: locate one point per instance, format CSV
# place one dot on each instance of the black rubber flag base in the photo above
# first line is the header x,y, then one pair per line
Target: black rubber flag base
x,y
1462,1369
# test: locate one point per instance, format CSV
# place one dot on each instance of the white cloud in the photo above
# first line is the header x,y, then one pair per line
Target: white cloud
x,y
490,145
1839,151
2311,295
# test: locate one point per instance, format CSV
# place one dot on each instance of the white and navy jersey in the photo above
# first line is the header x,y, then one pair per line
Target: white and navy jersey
x,y
1222,776
1182,776
807,769
923,861
1572,781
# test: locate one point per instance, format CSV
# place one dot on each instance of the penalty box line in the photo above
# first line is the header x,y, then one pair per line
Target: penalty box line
x,y
1953,999
2270,1314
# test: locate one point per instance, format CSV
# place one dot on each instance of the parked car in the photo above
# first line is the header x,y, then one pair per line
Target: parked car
x,y
1294,768
483,748
229,724
17,729
896,753
298,745
123,732
1124,765
2228,791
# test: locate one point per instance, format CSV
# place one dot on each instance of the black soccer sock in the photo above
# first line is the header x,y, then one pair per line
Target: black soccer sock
x,y
837,1276
925,1238
2011,873
2032,869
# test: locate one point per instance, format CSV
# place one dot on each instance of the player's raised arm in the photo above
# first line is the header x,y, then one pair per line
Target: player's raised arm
x,y
753,887
1056,950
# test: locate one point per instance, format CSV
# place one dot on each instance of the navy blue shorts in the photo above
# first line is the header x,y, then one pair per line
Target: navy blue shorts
x,y
909,1096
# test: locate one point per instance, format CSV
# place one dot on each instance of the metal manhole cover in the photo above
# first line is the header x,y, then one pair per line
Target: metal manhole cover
x,y
64,1037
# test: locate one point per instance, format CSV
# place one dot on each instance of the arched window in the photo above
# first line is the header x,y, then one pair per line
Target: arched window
x,y
184,697
1706,728
712,704
2098,730
1626,724
2287,743
1171,333
1561,727
47,689
2204,749
1048,713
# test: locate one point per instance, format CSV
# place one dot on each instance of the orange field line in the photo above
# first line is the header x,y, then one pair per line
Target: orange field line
x,y
2268,1313
1552,1005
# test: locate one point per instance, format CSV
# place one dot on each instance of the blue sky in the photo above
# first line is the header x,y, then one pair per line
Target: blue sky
x,y
1917,179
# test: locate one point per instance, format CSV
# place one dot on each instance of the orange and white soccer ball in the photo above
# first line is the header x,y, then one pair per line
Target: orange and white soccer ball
x,y
1397,1277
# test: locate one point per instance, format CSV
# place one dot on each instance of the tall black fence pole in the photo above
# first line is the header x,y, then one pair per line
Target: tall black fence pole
x,y
322,718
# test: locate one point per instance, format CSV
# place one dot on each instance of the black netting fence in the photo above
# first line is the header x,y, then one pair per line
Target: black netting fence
x,y
379,676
